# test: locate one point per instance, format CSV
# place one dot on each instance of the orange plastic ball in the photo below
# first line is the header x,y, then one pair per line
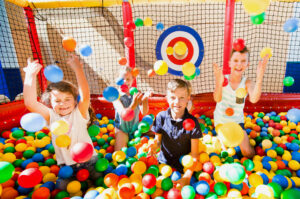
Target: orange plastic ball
x,y
69,44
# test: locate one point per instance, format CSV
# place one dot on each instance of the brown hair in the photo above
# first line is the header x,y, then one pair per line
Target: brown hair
x,y
179,83
245,50
65,87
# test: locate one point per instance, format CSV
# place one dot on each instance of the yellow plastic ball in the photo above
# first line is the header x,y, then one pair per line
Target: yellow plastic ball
x,y
8,145
252,142
160,67
21,147
137,186
166,171
139,167
147,21
274,166
286,129
123,181
112,142
45,153
49,177
231,151
188,69
257,165
266,51
59,127
9,157
294,165
286,156
255,180
292,125
272,153
231,134
217,176
135,177
110,127
264,191
44,170
298,129
180,48
105,137
159,180
63,141
283,122
255,7
187,161
74,186
277,140
267,118
103,130
169,51
119,156
234,193
266,144
103,151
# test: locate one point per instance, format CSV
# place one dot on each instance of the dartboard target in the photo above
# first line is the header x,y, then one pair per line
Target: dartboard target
x,y
193,42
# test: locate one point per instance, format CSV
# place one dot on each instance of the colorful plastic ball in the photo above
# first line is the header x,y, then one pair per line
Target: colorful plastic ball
x,y
293,115
82,152
127,114
187,161
128,42
220,189
143,127
30,177
255,6
174,194
266,51
238,44
119,156
32,122
188,69
82,175
229,111
6,171
197,72
189,77
126,191
160,67
255,180
258,19
240,92
69,44
133,90
166,184
121,170
208,167
188,192
147,21
139,22
160,26
149,181
291,25
53,73
290,194
281,180
63,141
201,187
73,187
176,175
93,130
59,127
101,164
122,61
235,174
188,124
288,81
85,50
248,164
138,167
131,151
111,180
41,193
180,49
148,119
231,134
111,93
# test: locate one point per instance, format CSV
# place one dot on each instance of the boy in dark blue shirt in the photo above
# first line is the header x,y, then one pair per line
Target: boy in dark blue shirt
x,y
173,140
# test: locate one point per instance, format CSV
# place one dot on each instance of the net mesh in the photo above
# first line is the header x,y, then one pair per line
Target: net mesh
x,y
102,29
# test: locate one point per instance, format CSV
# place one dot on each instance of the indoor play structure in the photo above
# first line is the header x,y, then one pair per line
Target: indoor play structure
x,y
161,40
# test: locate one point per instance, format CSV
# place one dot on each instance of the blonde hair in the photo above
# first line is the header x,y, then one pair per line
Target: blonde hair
x,y
178,83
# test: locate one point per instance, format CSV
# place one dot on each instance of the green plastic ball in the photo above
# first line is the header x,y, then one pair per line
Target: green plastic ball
x,y
258,19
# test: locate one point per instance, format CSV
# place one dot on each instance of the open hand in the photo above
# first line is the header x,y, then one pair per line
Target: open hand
x,y
146,96
262,65
33,67
218,72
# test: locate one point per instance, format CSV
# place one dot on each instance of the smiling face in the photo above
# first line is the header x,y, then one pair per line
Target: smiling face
x,y
178,100
63,103
238,63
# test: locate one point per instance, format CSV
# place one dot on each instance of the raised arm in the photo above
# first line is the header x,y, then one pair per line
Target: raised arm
x,y
83,87
145,105
29,92
155,144
219,79
254,88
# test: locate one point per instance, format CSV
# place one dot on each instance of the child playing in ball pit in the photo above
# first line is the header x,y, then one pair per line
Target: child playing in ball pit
x,y
171,136
63,106
124,130
226,97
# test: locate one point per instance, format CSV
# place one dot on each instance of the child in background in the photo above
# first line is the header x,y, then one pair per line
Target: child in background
x,y
124,130
225,96
175,141
63,106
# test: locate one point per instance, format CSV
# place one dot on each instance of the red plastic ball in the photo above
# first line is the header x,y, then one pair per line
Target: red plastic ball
x,y
82,152
128,41
174,194
82,175
225,83
130,25
124,88
127,114
110,149
208,167
127,191
149,181
30,177
238,44
151,160
41,193
188,124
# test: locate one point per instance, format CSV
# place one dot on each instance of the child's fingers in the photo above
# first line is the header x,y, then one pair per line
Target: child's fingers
x,y
29,60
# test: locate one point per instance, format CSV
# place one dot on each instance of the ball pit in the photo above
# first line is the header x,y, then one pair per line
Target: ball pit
x,y
220,173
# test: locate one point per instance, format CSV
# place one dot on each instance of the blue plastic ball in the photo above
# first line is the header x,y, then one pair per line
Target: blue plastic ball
x,y
98,115
108,156
197,71
281,180
24,191
148,119
85,50
50,185
131,151
33,122
120,81
293,115
26,162
53,73
121,170
201,187
38,157
160,26
111,93
176,175
65,172
291,25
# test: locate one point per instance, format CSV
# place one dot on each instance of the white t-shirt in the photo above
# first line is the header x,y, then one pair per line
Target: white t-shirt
x,y
77,133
